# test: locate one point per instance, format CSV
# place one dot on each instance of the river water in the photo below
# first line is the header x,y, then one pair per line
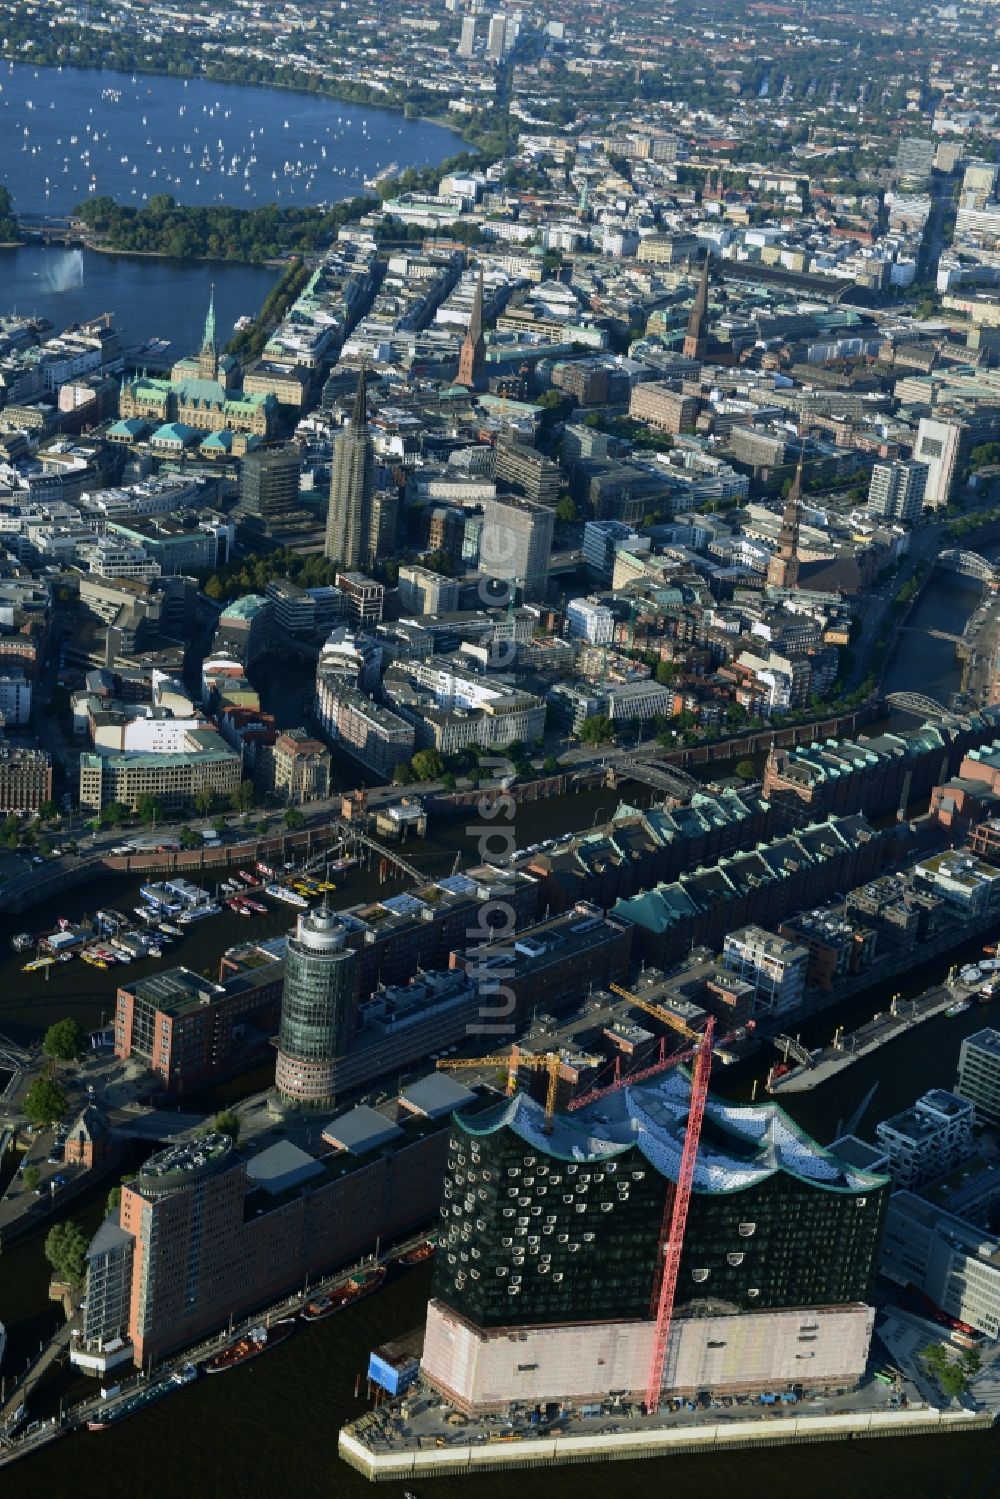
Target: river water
x,y
277,1420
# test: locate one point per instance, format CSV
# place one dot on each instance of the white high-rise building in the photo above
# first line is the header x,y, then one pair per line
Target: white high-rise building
x,y
897,490
496,41
467,44
590,620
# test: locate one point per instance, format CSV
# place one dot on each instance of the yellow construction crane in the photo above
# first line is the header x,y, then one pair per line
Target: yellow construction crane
x,y
510,1062
658,1012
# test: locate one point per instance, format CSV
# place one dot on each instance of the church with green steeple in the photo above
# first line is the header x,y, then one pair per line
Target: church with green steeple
x,y
202,404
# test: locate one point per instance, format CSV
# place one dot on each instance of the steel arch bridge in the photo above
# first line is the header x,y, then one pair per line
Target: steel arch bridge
x,y
919,705
969,564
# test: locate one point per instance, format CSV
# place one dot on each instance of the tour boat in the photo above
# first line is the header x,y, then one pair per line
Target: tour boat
x,y
422,1252
195,913
289,897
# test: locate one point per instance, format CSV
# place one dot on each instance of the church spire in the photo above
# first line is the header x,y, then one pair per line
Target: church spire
x,y
696,340
208,358
783,569
473,352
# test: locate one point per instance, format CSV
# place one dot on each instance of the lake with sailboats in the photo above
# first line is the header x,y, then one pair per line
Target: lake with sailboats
x,y
67,135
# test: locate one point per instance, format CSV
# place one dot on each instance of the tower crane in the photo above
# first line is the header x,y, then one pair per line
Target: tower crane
x,y
675,1213
549,1063
658,1012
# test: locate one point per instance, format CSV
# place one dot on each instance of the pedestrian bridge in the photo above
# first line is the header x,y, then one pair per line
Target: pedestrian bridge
x,y
919,705
968,564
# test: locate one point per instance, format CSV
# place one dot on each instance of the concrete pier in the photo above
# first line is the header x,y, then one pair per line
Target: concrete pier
x,y
449,1460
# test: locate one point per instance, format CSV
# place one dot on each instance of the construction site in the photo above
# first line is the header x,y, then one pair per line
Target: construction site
x,y
628,1265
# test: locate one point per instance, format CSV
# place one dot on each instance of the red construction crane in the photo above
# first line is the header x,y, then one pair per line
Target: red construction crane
x,y
675,1212
671,1241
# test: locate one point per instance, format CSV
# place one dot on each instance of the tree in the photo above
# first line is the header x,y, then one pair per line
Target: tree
x,y
745,770
227,1123
244,797
403,774
189,838
597,729
48,810
66,1251
294,819
65,1040
31,1176
149,808
113,815
666,673
448,782
204,801
45,1101
114,1199
427,765
566,509
949,1373
550,765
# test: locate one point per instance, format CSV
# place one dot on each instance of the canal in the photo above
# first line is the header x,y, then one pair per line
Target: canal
x,y
275,1422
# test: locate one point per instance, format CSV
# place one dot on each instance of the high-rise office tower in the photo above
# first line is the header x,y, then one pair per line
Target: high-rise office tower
x,y
467,44
516,542
472,357
317,1010
351,483
269,482
383,526
545,1280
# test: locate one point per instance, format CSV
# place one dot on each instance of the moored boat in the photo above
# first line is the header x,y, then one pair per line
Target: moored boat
x,y
416,1256
289,897
338,1300
257,1340
137,1400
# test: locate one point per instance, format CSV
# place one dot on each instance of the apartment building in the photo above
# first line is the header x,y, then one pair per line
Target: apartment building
x,y
774,966
928,1140
373,735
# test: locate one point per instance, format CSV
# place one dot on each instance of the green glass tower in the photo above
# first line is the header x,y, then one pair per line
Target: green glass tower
x,y
317,1010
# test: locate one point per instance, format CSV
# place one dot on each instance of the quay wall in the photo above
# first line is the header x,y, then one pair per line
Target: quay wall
x,y
773,1431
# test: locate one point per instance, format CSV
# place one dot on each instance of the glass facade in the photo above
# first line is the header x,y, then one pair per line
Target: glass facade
x,y
531,1236
318,1002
